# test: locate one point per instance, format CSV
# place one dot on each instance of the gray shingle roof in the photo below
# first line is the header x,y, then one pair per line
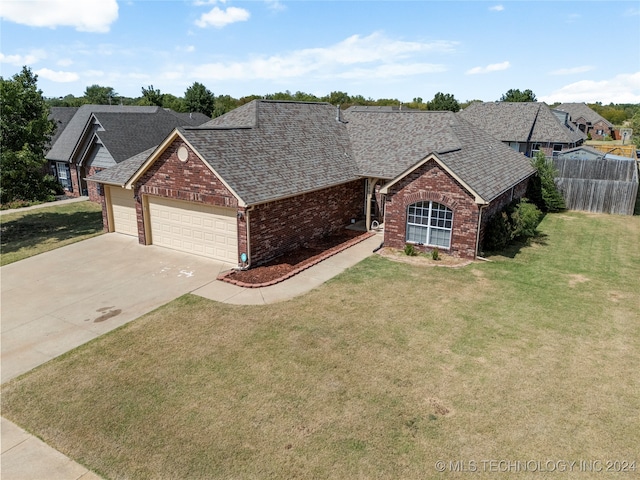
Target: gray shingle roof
x,y
267,150
520,122
128,129
122,172
577,110
61,116
126,134
386,144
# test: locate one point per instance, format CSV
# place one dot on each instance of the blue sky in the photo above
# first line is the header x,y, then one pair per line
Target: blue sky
x,y
569,51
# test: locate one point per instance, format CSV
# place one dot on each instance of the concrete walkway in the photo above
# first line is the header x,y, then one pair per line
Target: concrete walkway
x,y
44,205
24,457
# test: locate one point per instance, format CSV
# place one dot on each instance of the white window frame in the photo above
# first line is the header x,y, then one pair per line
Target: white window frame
x,y
429,223
64,175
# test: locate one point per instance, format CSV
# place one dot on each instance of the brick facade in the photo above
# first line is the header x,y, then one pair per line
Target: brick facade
x,y
93,187
191,181
497,204
281,226
431,182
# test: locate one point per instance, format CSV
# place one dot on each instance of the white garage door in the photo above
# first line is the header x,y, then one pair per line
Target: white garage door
x,y
194,228
123,207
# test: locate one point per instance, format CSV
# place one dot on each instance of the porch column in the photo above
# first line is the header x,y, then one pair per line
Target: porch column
x,y
371,186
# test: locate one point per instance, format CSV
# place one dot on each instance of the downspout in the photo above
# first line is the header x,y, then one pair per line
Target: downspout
x,y
247,217
482,207
370,188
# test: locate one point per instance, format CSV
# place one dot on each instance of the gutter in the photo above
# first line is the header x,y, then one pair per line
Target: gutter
x,y
247,221
480,209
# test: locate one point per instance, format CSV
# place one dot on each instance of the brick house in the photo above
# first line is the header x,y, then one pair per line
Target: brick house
x,y
94,137
587,120
526,127
270,176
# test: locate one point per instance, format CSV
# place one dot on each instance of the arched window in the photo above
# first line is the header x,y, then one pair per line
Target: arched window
x,y
429,223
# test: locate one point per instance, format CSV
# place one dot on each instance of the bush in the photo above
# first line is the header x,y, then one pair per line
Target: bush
x,y
542,189
410,250
435,254
517,221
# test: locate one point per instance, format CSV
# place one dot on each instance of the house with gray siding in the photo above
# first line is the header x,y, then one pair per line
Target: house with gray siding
x,y
526,127
96,137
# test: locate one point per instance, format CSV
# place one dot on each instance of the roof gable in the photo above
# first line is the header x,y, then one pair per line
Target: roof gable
x,y
520,122
582,110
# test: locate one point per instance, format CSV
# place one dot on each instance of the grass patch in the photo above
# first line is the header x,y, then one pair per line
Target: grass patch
x,y
25,234
379,373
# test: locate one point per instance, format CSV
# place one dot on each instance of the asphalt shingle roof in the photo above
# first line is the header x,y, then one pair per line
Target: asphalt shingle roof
x,y
577,110
121,173
128,129
386,144
520,122
292,148
61,116
266,150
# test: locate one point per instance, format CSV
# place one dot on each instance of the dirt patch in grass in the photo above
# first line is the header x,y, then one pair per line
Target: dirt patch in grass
x,y
295,261
576,279
424,260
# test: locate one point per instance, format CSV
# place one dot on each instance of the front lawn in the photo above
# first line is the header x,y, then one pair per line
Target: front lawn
x,y
31,232
380,373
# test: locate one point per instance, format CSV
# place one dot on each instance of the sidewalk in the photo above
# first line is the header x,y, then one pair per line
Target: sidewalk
x,y
44,205
24,457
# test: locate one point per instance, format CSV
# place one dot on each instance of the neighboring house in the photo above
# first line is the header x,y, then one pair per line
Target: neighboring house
x,y
101,136
270,176
598,182
527,127
588,121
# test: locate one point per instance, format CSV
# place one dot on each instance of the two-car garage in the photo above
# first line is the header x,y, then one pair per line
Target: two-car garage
x,y
185,226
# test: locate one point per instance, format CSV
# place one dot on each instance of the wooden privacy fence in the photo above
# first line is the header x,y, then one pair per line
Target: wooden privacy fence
x,y
599,186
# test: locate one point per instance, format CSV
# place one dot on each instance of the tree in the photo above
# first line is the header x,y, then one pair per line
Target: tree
x,y
444,101
198,98
151,96
174,103
542,190
98,95
25,131
224,104
515,95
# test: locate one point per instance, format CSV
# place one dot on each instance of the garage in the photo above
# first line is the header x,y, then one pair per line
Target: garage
x,y
194,228
123,209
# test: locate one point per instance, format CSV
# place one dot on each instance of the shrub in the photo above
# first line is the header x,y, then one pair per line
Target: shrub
x,y
543,190
435,254
524,219
410,250
518,220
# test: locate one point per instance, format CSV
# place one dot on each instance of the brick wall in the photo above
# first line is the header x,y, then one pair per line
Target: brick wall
x,y
283,225
191,181
92,187
499,203
431,182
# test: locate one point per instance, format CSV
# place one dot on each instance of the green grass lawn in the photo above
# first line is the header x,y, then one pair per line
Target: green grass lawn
x,y
380,373
31,232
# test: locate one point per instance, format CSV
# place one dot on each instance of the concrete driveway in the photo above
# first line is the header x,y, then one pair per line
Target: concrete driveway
x,y
61,299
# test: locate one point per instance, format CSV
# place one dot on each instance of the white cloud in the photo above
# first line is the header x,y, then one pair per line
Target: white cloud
x,y
275,5
373,56
18,60
494,67
632,12
572,71
220,18
84,15
65,62
59,76
624,88
497,8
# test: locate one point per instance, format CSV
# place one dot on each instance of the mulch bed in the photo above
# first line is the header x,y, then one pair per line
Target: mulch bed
x,y
295,261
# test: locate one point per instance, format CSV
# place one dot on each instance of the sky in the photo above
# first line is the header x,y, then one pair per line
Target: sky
x,y
564,51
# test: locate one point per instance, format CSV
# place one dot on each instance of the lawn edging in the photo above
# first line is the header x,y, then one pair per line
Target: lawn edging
x,y
228,275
